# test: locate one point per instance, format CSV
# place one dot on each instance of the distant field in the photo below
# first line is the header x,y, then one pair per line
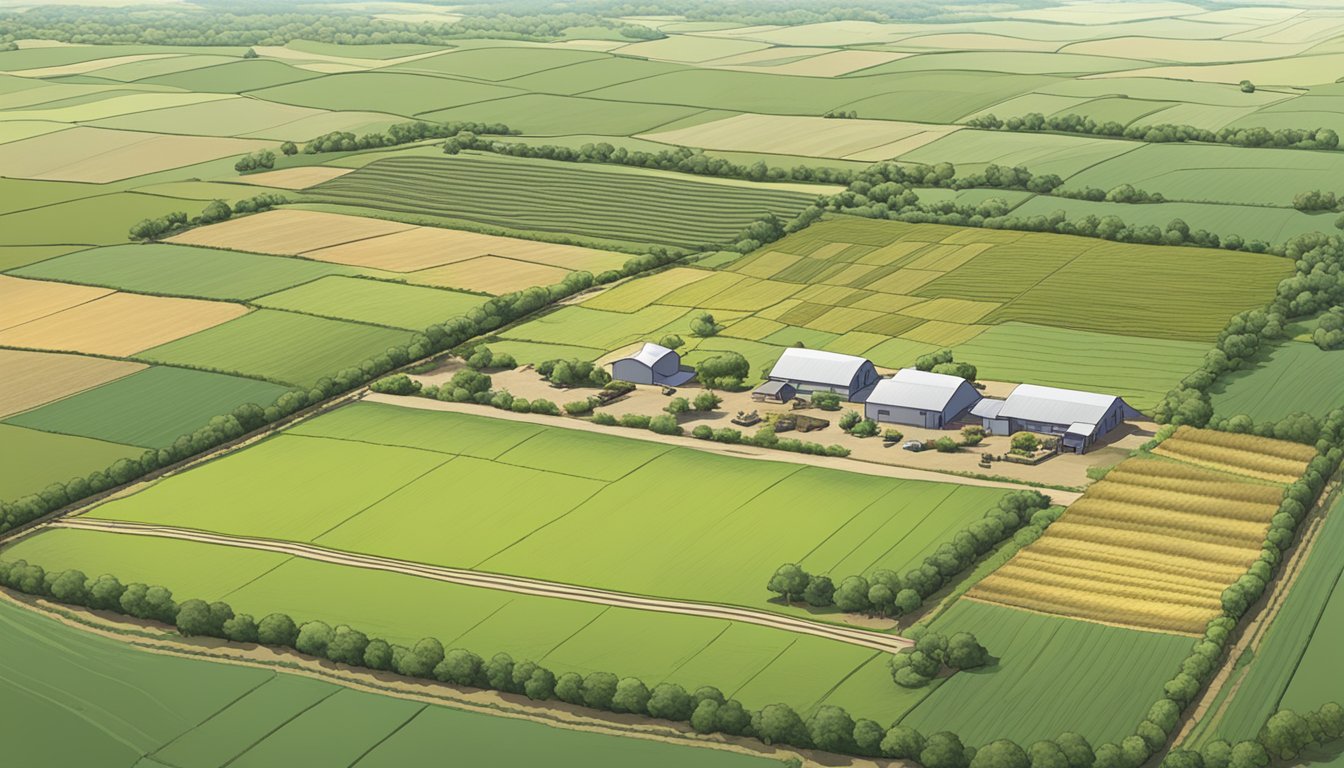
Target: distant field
x,y
282,346
1115,674
1295,377
100,701
150,408
556,197
814,136
180,270
287,232
38,459
567,489
373,301
111,155
1154,544
34,378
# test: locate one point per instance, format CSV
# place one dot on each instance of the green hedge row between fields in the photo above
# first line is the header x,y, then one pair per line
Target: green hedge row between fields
x,y
493,314
1279,138
214,211
706,710
1020,515
1316,285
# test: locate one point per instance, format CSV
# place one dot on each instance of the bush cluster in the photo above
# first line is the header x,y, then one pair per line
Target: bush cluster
x,y
942,362
401,133
216,210
573,373
1019,514
914,667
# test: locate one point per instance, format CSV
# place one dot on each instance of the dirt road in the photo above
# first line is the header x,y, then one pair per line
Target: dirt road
x,y
504,583
735,450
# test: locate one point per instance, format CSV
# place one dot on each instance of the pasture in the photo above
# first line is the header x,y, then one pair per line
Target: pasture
x,y
362,487
41,458
81,699
553,197
1115,674
150,408
1153,545
278,346
105,155
809,136
373,301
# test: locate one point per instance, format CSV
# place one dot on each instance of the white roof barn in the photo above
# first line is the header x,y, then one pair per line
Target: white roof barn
x,y
813,370
651,364
1080,417
920,398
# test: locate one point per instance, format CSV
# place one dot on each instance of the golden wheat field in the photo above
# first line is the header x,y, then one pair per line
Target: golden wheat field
x,y
1154,544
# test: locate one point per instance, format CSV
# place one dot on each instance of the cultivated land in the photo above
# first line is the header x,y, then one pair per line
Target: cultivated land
x,y
110,348
1155,543
79,699
566,489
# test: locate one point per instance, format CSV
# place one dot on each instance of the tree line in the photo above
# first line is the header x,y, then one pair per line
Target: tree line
x,y
1282,138
1020,515
401,133
215,211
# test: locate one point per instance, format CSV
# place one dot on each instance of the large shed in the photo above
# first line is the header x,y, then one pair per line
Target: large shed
x,y
1079,418
920,399
652,364
812,370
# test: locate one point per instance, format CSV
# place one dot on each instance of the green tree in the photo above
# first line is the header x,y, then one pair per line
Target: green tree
x,y
71,587
1047,754
1025,442
780,724
1247,86
569,688
902,742
670,701
105,592
1183,758
965,652
726,370
704,719
831,728
790,582
499,672
677,406
868,738
289,148
1001,754
347,646
820,592
943,750
1077,749
852,595
1286,734
671,341
460,667
865,428
706,401
242,628
1248,754
193,618
277,629
599,689
378,655
703,325
540,685
631,696
849,419
314,637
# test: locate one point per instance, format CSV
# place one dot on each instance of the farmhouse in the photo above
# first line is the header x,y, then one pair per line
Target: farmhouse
x,y
1079,418
920,398
652,364
811,370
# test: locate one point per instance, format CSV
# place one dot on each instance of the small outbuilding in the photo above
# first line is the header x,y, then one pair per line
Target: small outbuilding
x,y
652,364
774,392
812,370
920,399
1078,418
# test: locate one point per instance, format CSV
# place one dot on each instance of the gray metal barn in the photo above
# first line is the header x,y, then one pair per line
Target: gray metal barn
x,y
812,370
920,399
1079,418
652,364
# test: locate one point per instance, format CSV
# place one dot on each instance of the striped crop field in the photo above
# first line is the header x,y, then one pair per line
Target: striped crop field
x,y
1259,457
544,196
1151,546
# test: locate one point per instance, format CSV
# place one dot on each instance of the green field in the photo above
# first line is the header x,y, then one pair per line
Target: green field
x,y
375,302
1113,675
35,459
1294,377
547,196
150,408
78,699
1293,666
182,270
370,478
280,346
756,665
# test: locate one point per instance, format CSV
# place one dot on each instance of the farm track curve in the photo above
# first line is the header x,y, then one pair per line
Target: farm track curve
x,y
515,584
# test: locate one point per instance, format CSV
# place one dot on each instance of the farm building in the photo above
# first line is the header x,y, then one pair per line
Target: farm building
x,y
774,392
652,364
812,370
1079,418
920,398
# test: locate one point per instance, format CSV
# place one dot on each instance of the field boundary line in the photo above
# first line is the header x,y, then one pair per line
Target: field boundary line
x,y
505,583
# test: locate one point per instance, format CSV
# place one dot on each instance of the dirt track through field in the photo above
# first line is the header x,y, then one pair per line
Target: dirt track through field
x,y
515,584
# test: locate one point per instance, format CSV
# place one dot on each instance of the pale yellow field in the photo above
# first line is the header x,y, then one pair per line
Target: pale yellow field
x,y
634,295
113,105
977,41
490,274
1152,546
424,247
23,301
843,319
960,310
81,67
99,155
38,378
943,333
120,324
811,136
1185,51
297,178
832,64
287,232
1257,457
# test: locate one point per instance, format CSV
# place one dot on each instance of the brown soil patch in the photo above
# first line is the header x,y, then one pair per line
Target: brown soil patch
x,y
37,378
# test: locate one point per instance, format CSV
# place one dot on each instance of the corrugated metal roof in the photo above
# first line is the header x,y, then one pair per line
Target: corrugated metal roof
x,y
650,354
814,365
1081,428
987,408
1032,402
911,388
773,387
